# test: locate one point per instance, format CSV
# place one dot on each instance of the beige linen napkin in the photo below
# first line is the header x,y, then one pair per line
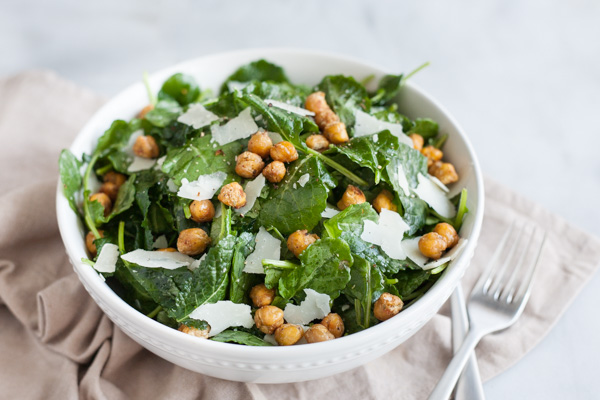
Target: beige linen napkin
x,y
55,343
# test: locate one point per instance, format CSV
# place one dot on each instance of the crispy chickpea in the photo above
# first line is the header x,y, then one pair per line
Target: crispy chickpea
x,y
324,116
268,319
233,195
317,142
192,241
146,147
261,295
432,245
334,324
110,189
336,133
89,241
284,152
445,172
103,199
201,333
387,306
448,232
318,333
202,210
384,199
249,165
168,250
260,143
352,195
114,177
144,111
298,241
433,154
417,140
288,334
275,171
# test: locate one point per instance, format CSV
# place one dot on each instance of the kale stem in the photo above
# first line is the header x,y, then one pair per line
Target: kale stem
x,y
86,202
122,237
439,269
151,96
279,264
340,168
440,142
462,209
414,71
88,262
154,312
391,281
103,170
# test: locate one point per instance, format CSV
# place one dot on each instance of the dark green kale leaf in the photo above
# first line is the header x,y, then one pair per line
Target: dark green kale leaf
x,y
125,199
260,70
240,281
388,88
366,281
345,95
285,92
409,281
391,114
180,87
425,127
115,138
70,177
239,337
165,111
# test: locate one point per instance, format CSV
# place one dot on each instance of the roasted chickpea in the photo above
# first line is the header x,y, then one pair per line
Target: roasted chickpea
x,y
261,295
448,232
317,142
202,210
387,306
334,324
146,147
192,241
318,333
433,154
111,190
268,319
168,250
232,195
260,143
89,242
385,199
201,333
298,241
275,171
103,199
249,165
336,133
432,245
288,334
324,116
114,177
144,111
445,172
352,195
284,152
417,140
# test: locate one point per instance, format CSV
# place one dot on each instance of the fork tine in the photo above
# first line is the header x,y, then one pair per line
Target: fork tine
x,y
524,287
495,281
508,289
494,260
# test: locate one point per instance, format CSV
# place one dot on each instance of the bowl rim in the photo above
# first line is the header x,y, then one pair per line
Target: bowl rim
x,y
343,344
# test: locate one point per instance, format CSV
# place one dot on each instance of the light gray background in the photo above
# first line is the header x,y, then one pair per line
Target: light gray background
x,y
522,77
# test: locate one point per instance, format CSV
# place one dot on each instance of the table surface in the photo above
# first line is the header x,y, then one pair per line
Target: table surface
x,y
521,77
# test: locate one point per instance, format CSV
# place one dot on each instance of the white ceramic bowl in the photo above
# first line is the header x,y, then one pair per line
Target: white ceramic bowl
x,y
275,364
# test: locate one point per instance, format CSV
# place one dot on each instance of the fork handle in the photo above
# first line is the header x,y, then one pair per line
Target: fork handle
x,y
444,388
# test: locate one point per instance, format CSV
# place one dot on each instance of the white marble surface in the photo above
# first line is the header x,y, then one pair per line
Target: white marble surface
x,y
521,76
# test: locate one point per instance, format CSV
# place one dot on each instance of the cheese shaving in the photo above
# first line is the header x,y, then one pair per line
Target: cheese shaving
x,y
160,242
203,188
107,259
290,108
252,190
433,195
402,181
411,248
267,247
197,116
449,256
367,124
303,180
439,183
387,233
239,127
158,259
314,306
329,212
222,315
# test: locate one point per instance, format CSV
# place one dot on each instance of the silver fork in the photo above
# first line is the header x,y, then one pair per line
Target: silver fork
x,y
497,300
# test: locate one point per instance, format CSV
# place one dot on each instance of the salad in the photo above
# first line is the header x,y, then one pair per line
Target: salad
x,y
272,213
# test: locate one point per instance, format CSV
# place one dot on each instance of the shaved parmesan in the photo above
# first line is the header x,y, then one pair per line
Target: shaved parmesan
x,y
222,315
197,263
107,259
160,242
402,181
161,161
270,339
367,124
267,247
140,164
435,197
275,137
329,212
375,138
387,233
172,186
439,183
449,256
290,108
158,259
235,85
197,116
252,190
315,305
411,248
239,127
203,188
303,180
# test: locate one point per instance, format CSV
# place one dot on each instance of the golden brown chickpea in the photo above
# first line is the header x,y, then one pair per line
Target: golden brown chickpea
x,y
384,199
103,199
89,241
352,195
318,333
336,133
417,140
168,250
275,171
288,334
268,319
432,245
192,241
202,210
144,111
114,177
260,143
110,189
200,333
317,142
445,172
284,152
261,295
298,241
146,147
334,324
387,306
448,232
433,154
324,116
232,195
249,165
